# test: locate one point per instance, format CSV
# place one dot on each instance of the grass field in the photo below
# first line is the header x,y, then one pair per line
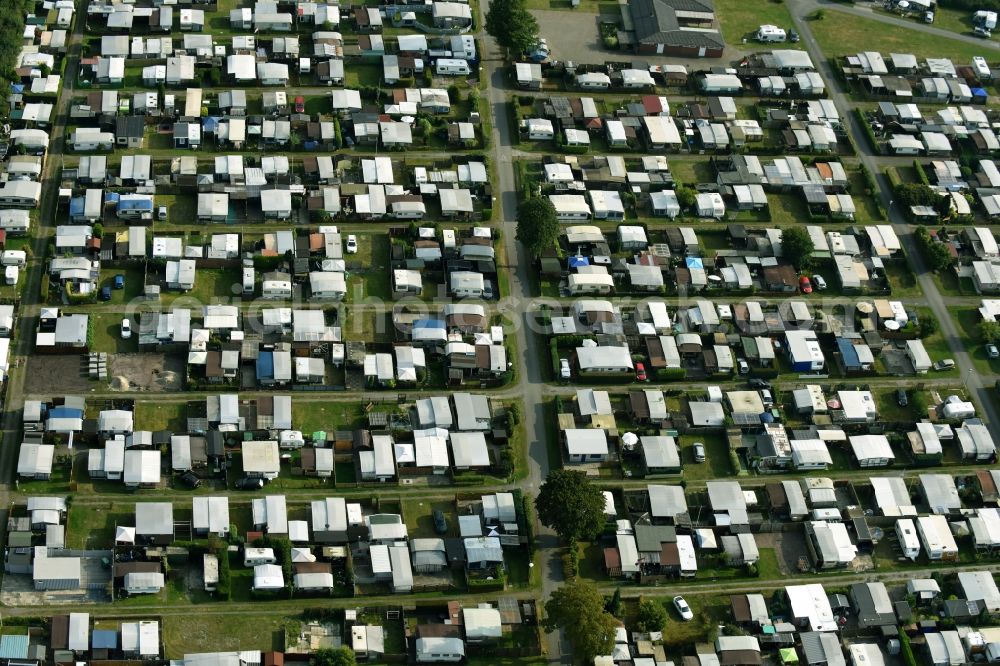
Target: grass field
x,y
184,634
161,416
946,19
740,18
840,34
968,322
312,416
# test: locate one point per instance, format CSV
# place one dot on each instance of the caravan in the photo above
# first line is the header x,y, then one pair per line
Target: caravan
x,y
452,67
770,33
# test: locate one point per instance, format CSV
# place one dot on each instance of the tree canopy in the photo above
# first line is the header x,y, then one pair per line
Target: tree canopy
x,y
571,505
652,615
333,657
537,226
578,609
686,197
512,25
797,247
935,254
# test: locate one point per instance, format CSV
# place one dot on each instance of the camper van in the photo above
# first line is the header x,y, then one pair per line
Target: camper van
x,y
13,258
452,67
770,33
982,68
249,278
11,275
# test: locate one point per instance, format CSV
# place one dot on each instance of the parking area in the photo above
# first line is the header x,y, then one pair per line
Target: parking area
x,y
574,36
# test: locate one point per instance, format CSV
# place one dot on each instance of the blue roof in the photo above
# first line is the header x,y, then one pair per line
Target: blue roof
x,y
135,204
848,352
979,92
429,323
265,365
66,413
210,124
13,647
694,262
111,197
104,639
76,205
576,262
17,87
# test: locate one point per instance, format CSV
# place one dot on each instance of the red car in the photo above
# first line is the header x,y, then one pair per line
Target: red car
x,y
640,372
300,104
805,285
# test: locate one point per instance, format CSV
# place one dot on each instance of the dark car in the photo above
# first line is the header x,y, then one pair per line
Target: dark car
x,y
755,383
105,293
249,483
902,398
190,480
793,36
440,522
119,281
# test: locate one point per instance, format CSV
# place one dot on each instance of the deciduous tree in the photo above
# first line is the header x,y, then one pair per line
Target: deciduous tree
x,y
571,505
578,609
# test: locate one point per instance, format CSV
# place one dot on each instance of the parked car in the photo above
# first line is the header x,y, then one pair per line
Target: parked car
x,y
640,372
767,398
793,36
352,244
119,281
488,289
699,452
902,399
944,364
742,366
161,213
249,483
126,329
190,480
300,104
928,17
819,282
805,285
992,351
683,609
980,31
440,522
564,370
755,383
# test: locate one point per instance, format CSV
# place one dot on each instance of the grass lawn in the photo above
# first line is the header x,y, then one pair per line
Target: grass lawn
x,y
418,516
950,284
707,616
210,285
840,34
160,416
740,18
368,270
312,416
106,334
368,325
133,284
945,19
968,322
93,525
184,634
716,465
902,280
787,209
181,208
692,172
585,6
357,76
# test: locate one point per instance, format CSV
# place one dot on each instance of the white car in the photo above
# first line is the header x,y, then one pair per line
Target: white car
x,y
683,609
819,282
352,244
126,329
564,371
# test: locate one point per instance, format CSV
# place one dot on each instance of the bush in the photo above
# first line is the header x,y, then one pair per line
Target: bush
x,y
652,615
571,563
670,374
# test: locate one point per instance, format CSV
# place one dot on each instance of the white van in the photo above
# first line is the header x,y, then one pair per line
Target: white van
x,y
11,275
13,258
249,280
451,67
982,68
770,33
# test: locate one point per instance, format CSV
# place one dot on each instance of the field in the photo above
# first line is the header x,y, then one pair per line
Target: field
x,y
740,18
841,34
209,632
160,416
